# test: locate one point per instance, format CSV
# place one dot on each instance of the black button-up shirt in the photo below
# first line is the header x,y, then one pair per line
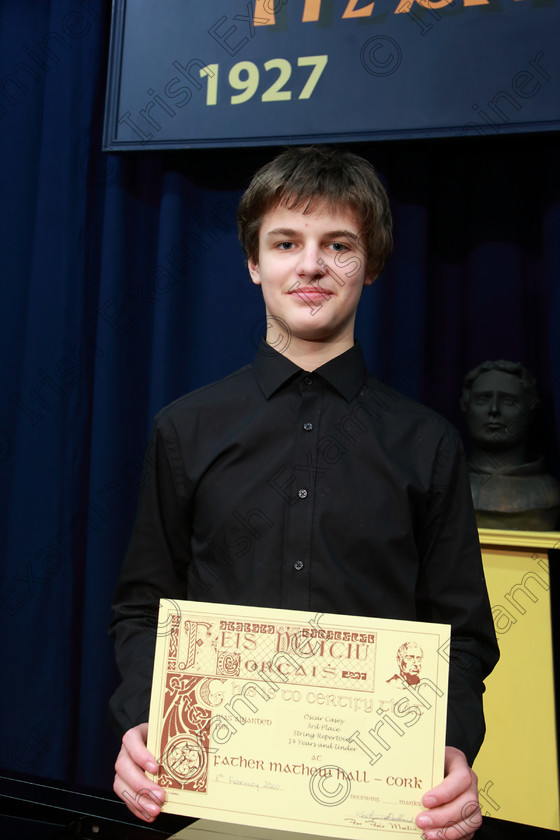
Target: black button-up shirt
x,y
323,491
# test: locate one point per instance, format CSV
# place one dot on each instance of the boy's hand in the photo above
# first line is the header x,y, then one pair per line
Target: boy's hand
x,y
142,796
453,809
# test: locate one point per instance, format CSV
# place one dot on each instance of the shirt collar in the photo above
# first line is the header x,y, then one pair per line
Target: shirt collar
x,y
346,373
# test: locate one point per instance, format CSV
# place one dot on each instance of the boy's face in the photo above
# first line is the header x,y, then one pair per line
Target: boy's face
x,y
312,268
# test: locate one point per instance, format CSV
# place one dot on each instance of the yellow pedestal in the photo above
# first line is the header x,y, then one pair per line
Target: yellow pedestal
x,y
517,766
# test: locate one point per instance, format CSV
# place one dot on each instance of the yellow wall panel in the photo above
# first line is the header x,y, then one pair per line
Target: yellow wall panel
x,y
517,766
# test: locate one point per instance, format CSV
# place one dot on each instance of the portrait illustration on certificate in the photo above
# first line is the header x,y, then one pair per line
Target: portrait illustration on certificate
x,y
315,723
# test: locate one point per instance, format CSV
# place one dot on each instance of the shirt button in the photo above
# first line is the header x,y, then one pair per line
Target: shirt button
x,y
302,493
298,565
308,426
308,380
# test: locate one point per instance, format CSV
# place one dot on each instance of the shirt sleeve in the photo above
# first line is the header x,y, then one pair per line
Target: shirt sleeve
x,y
452,589
155,566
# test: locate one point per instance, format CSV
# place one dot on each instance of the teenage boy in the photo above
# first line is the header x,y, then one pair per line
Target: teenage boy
x,y
301,482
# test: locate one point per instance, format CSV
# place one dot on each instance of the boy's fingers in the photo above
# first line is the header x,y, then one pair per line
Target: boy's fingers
x,y
142,796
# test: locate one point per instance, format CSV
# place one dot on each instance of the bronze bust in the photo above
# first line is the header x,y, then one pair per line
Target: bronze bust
x,y
500,400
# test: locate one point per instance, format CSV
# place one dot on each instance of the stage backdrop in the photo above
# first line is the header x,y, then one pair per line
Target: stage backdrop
x,y
218,73
123,286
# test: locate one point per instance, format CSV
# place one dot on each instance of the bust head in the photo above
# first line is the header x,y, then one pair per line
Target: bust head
x,y
509,490
499,400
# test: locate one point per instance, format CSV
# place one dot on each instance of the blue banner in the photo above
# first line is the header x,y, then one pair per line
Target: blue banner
x,y
233,73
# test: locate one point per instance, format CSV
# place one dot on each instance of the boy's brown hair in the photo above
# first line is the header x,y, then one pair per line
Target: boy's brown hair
x,y
303,177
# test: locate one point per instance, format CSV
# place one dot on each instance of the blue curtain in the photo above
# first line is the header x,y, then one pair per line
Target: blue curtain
x,y
123,286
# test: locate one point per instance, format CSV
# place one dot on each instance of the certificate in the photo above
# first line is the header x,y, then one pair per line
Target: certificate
x,y
304,722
